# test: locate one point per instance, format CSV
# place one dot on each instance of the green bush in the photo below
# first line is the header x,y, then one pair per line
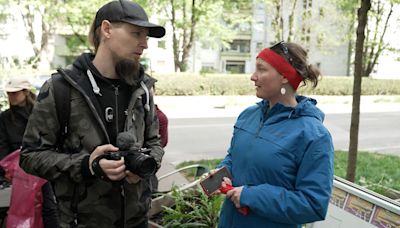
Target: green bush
x,y
192,208
240,84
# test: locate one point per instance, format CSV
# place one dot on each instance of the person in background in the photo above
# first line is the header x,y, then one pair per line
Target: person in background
x,y
281,155
12,127
111,110
163,122
13,120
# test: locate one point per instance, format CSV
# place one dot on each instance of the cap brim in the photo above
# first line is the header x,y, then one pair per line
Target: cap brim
x,y
12,90
156,31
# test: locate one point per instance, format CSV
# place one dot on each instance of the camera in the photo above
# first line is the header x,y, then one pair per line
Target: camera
x,y
137,161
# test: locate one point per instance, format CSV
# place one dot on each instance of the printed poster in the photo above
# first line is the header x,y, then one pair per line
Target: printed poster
x,y
359,207
385,219
338,197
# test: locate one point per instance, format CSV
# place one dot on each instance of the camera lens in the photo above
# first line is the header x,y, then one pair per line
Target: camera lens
x,y
141,164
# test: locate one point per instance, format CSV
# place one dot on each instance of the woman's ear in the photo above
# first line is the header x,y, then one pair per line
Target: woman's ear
x,y
284,80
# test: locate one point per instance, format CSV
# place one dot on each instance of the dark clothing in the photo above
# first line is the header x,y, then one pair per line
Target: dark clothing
x,y
12,127
114,97
49,211
82,197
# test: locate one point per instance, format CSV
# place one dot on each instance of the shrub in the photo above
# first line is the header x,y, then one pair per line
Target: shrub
x,y
240,84
192,209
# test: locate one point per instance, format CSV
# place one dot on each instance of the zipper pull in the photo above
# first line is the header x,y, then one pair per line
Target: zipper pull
x,y
116,91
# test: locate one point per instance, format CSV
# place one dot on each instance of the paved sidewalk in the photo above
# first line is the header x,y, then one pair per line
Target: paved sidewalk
x,y
231,106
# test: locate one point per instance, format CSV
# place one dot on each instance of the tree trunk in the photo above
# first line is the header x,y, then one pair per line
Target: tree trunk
x,y
291,22
355,114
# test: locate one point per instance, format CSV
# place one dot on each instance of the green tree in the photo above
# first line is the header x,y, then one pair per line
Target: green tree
x,y
294,21
362,18
378,24
379,19
199,20
78,16
38,17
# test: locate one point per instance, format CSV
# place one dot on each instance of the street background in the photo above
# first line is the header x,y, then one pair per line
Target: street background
x,y
200,127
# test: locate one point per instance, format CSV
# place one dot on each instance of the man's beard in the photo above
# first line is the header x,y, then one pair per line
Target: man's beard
x,y
129,71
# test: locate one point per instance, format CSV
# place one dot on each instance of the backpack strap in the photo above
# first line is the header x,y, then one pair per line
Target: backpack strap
x,y
62,93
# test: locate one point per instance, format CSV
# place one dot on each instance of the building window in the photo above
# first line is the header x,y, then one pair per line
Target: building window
x,y
242,46
235,67
259,46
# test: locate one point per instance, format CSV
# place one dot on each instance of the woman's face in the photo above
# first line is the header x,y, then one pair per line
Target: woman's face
x,y
267,80
17,98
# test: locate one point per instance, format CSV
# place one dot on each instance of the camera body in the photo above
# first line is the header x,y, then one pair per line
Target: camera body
x,y
137,161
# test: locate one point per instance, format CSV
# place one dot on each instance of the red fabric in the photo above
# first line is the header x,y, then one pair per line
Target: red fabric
x,y
282,66
26,195
9,164
163,126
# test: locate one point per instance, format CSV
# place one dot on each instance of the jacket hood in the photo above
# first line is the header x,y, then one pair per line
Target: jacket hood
x,y
84,62
305,107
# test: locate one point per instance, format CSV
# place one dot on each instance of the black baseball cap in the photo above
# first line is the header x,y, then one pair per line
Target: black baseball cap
x,y
129,12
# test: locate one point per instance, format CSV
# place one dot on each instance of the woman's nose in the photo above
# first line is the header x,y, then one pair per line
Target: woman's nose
x,y
253,77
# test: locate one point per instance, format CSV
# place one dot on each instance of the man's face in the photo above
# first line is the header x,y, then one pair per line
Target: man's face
x,y
127,41
126,44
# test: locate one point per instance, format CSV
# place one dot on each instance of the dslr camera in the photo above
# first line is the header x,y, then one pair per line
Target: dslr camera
x,y
137,161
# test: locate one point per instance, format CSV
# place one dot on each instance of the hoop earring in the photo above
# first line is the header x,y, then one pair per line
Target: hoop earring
x,y
283,91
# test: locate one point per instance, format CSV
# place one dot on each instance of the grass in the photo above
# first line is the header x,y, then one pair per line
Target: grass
x,y
377,172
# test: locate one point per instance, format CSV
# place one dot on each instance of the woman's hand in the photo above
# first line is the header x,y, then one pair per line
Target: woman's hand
x,y
234,194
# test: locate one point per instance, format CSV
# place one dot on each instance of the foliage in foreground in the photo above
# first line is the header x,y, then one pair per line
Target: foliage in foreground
x,y
377,172
192,209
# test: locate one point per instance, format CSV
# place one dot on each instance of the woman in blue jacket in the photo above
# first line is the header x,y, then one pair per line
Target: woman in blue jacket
x,y
281,155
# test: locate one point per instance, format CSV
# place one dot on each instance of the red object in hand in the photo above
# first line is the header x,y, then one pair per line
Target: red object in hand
x,y
242,210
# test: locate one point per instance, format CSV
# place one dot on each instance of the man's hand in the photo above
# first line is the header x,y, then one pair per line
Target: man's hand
x,y
114,170
234,194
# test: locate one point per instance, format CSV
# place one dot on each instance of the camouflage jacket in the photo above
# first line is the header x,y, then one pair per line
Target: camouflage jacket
x,y
88,201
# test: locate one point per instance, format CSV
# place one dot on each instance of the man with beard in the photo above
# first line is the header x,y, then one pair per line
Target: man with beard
x,y
110,110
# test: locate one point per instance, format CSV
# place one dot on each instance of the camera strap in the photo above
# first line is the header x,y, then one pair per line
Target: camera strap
x,y
98,171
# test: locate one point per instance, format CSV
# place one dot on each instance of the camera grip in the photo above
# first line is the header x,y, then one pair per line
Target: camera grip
x,y
224,190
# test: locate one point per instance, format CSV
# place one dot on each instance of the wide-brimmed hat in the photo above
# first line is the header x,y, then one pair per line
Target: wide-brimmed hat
x,y
129,12
16,84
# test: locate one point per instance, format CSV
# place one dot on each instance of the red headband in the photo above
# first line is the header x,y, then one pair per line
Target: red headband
x,y
282,66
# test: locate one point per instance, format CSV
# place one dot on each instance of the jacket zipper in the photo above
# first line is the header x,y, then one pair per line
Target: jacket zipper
x,y
123,211
264,118
116,92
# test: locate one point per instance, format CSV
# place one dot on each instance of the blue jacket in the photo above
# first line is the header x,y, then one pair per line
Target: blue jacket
x,y
284,160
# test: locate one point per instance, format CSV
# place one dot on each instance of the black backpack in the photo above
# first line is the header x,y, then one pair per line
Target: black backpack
x,y
62,92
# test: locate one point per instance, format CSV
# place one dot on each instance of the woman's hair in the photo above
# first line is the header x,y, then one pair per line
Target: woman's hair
x,y
30,101
297,57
